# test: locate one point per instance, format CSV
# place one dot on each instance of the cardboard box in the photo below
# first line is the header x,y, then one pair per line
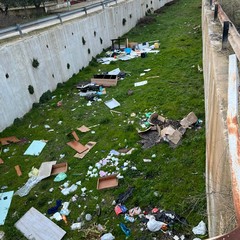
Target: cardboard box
x,y
105,80
110,181
58,168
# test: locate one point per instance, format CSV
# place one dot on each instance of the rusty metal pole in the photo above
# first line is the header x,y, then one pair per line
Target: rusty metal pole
x,y
225,34
210,3
233,132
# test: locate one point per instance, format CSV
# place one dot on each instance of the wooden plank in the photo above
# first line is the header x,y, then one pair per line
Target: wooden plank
x,y
18,170
89,145
34,225
77,146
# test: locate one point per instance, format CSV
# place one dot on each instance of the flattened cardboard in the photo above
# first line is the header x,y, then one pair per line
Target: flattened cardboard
x,y
110,181
190,119
58,168
175,137
83,129
34,225
46,169
35,148
89,145
8,140
1,161
77,146
167,131
5,202
18,170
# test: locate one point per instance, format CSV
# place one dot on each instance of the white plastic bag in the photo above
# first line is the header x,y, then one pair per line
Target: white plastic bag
x,y
200,229
154,225
107,236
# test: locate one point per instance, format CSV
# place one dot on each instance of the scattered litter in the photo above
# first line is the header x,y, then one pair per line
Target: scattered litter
x,y
5,202
200,229
107,236
137,84
154,225
147,160
147,70
76,226
6,150
112,103
114,72
32,181
1,161
34,172
60,177
57,216
158,129
68,190
54,209
35,148
32,223
88,217
142,74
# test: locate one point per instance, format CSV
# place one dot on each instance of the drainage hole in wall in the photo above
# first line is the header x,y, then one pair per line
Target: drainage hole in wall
x,y
83,41
7,75
31,89
89,51
53,76
95,33
124,21
101,41
68,66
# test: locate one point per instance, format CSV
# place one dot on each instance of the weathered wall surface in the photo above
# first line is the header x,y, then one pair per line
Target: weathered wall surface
x,y
221,215
57,48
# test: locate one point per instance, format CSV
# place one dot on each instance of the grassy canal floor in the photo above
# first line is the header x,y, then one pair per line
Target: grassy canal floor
x,y
174,180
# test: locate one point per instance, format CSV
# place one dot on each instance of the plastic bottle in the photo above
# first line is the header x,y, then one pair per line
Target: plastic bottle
x,y
125,229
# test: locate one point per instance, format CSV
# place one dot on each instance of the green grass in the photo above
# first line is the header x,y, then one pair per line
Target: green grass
x,y
176,174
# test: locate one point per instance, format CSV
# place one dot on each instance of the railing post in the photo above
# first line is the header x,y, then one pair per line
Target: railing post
x,y
103,6
85,10
60,18
210,3
215,12
19,29
225,34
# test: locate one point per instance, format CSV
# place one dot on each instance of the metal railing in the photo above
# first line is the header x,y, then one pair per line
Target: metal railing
x,y
60,16
230,33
